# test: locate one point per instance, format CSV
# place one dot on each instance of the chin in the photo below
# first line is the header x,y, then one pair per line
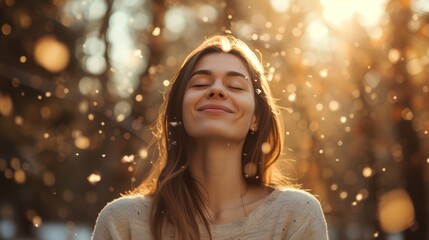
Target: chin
x,y
218,133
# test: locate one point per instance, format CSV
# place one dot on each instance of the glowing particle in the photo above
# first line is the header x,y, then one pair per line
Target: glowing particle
x,y
48,178
138,53
82,142
334,105
250,169
367,172
323,73
94,178
139,98
143,153
225,45
6,29
258,91
51,54
395,211
407,114
166,83
127,159
23,59
394,55
19,176
175,124
266,147
359,197
37,221
156,31
120,118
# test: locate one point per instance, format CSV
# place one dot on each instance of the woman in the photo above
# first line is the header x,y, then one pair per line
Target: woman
x,y
219,134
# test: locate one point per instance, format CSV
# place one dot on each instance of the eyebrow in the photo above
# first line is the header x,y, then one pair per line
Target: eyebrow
x,y
229,73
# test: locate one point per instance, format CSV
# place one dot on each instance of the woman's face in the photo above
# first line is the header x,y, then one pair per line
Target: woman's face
x,y
219,99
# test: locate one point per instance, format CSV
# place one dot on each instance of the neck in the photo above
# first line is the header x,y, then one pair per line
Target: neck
x,y
216,165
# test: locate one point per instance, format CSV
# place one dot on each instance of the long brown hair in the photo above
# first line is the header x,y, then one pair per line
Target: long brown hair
x,y
177,200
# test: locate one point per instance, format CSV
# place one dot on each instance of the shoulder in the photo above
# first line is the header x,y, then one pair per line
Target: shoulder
x,y
302,212
126,207
296,195
298,200
122,218
128,203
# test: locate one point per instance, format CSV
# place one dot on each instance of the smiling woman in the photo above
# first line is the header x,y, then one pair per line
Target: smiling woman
x,y
219,137
219,99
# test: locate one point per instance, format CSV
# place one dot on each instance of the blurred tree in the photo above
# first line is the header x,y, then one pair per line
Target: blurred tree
x,y
413,159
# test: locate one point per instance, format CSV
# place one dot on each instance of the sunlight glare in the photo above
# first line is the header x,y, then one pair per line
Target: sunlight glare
x,y
369,12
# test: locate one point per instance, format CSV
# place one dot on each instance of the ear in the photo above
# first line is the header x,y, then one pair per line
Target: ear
x,y
254,124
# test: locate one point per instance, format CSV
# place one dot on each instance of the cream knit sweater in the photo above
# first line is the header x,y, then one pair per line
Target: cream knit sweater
x,y
285,214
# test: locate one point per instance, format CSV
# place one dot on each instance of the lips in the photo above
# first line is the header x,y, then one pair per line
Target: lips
x,y
215,108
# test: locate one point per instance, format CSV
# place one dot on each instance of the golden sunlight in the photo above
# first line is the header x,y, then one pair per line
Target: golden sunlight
x,y
369,12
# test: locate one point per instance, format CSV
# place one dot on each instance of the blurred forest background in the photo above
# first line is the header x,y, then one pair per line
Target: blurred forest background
x,y
81,82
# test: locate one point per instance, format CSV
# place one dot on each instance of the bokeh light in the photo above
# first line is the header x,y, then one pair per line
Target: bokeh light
x,y
51,54
396,211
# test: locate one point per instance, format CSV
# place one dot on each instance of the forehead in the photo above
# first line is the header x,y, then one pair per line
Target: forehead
x,y
221,62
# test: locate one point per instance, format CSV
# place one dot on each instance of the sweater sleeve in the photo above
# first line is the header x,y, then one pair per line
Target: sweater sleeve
x,y
313,226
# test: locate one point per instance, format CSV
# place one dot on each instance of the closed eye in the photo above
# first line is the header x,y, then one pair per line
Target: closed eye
x,y
235,88
200,85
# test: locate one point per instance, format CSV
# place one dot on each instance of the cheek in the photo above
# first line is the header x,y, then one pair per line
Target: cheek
x,y
249,107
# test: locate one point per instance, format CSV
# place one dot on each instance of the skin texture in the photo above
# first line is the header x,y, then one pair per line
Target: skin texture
x,y
218,113
219,99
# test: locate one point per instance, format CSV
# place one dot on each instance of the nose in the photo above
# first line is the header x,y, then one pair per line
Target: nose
x,y
217,90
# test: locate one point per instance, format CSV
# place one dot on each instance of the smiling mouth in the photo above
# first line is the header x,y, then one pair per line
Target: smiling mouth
x,y
214,109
